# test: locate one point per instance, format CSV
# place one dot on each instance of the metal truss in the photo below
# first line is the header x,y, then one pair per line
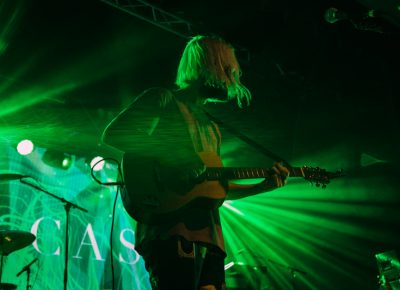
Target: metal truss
x,y
154,15
165,20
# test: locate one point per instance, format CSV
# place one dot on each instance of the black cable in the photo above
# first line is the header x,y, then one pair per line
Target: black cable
x,y
120,176
111,240
107,183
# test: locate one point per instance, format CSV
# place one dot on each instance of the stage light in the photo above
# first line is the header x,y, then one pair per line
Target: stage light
x,y
25,147
58,159
228,205
96,163
67,162
229,265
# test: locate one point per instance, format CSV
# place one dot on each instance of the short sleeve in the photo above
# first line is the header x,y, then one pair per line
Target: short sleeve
x,y
134,125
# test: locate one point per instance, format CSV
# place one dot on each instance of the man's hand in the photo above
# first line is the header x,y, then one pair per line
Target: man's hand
x,y
278,177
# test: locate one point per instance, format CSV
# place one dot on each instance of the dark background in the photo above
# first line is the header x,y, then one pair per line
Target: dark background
x,y
300,68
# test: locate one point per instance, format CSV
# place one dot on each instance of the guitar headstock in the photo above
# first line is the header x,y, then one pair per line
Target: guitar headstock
x,y
319,176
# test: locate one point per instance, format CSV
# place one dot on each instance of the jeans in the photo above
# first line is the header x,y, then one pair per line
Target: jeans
x,y
176,263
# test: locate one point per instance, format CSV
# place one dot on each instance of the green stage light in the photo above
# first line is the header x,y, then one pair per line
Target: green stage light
x,y
66,162
25,147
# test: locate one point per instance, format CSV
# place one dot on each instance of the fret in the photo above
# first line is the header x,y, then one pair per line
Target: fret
x,y
263,173
217,173
214,174
297,172
208,173
302,172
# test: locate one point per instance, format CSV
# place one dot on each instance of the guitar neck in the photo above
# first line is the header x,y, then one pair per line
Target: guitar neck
x,y
218,173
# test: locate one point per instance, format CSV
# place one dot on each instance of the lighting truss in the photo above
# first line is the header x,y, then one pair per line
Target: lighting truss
x,y
154,15
165,20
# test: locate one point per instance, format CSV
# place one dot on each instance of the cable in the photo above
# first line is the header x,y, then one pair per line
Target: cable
x,y
107,183
120,176
111,240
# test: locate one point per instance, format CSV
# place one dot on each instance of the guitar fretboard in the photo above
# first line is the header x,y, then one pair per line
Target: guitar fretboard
x,y
217,173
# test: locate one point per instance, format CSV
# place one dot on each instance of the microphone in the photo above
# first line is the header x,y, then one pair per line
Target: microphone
x,y
11,176
367,21
333,15
26,267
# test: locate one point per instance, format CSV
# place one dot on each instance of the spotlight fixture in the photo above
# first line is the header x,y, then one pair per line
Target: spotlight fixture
x,y
25,147
96,163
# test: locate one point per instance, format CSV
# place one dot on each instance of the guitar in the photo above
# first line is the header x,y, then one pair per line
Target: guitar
x,y
147,200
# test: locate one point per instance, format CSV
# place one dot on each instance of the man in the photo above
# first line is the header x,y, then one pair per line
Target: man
x,y
168,138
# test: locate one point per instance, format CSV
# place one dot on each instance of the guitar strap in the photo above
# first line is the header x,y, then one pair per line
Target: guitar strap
x,y
247,140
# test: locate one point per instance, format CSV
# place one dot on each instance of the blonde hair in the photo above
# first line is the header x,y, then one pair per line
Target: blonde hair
x,y
212,60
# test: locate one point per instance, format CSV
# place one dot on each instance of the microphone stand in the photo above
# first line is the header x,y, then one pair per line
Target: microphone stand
x,y
67,205
27,268
292,270
1,266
